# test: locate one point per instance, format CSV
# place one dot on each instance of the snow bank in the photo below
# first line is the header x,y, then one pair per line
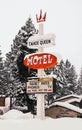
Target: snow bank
x,y
12,114
20,108
5,109
15,114
26,116
10,122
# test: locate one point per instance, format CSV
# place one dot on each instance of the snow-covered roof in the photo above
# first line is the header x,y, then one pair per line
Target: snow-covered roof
x,y
74,100
68,96
69,106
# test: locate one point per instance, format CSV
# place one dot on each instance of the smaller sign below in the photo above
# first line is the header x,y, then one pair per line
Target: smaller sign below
x,y
32,85
46,84
37,41
40,85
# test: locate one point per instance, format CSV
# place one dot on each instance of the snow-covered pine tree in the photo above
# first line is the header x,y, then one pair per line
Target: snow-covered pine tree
x,y
59,72
79,84
60,80
2,76
66,78
14,60
22,40
13,85
71,78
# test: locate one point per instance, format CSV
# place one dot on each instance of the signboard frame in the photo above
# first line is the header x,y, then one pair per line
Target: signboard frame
x,y
37,41
37,85
40,60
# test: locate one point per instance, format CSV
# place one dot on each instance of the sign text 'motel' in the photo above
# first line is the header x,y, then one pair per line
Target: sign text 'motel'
x,y
41,60
41,40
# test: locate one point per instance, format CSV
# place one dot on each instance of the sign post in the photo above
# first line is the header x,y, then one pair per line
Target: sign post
x,y
39,61
40,97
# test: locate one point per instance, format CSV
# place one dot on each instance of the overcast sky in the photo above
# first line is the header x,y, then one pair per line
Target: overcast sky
x,y
64,18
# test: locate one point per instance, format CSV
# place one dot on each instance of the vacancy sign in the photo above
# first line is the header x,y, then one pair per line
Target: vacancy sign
x,y
41,60
41,41
40,85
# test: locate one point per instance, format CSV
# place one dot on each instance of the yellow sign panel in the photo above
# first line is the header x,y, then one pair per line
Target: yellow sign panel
x,y
47,79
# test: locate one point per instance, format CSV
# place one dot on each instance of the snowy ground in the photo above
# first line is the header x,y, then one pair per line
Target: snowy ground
x,y
16,120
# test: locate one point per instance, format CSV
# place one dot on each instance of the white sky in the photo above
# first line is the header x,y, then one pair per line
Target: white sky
x,y
64,18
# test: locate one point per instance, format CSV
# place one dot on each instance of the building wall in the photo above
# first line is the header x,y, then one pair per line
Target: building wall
x,y
57,111
5,103
2,101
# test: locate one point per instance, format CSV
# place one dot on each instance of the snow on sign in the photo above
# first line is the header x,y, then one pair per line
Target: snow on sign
x,y
41,40
38,61
40,85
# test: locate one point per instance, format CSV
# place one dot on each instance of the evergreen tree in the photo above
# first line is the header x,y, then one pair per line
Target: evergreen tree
x,y
11,82
79,85
2,77
66,78
25,32
59,72
80,105
14,61
60,80
71,77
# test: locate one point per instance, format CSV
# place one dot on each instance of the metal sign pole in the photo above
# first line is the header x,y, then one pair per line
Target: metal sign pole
x,y
40,97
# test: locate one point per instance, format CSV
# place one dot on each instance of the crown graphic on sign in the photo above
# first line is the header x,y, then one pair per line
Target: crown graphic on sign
x,y
41,18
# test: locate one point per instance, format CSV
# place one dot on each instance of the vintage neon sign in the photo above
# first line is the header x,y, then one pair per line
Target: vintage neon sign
x,y
38,61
